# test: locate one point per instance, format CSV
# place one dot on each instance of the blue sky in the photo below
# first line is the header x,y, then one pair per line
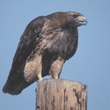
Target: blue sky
x,y
91,63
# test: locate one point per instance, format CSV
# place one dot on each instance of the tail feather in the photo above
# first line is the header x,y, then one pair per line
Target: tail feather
x,y
15,83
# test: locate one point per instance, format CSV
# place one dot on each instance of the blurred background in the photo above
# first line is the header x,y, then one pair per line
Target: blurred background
x,y
91,63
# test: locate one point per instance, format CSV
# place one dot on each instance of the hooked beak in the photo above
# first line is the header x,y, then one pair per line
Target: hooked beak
x,y
82,20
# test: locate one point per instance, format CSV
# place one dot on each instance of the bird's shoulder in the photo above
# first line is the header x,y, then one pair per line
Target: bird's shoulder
x,y
28,39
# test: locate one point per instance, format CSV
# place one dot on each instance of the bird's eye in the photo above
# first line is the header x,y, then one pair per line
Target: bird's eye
x,y
74,16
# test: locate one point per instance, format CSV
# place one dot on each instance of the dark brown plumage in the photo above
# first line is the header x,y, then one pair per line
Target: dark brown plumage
x,y
47,42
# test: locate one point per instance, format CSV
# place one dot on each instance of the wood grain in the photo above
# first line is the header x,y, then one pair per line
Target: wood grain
x,y
61,94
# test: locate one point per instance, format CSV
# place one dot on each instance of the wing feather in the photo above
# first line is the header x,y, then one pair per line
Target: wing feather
x,y
16,81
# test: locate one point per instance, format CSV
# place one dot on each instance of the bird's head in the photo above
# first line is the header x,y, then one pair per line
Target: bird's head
x,y
76,19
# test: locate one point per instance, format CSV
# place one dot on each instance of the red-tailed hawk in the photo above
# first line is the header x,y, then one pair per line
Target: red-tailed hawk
x,y
47,42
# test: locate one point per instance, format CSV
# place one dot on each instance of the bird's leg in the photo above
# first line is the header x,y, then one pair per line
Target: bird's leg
x,y
39,67
33,69
56,68
40,77
39,71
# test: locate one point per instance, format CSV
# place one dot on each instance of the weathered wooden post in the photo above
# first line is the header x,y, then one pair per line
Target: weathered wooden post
x,y
61,94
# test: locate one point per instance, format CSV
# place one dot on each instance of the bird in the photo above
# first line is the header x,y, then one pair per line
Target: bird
x,y
46,44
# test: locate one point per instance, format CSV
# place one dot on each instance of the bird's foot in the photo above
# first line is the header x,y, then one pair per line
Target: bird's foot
x,y
40,77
